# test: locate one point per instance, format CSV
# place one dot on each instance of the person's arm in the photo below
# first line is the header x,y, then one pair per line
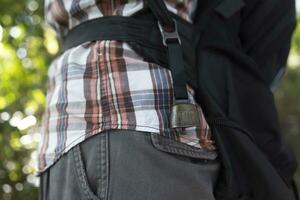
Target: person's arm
x,y
266,31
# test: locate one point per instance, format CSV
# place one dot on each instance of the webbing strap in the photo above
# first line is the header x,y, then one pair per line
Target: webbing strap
x,y
171,39
130,29
160,11
177,70
110,28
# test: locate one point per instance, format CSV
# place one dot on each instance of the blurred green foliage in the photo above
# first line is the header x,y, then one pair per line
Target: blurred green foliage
x,y
27,47
23,74
288,100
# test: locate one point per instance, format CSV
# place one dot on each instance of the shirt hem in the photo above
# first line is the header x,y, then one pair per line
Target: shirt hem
x,y
96,131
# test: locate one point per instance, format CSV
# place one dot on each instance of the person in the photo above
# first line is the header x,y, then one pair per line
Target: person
x,y
106,130
108,113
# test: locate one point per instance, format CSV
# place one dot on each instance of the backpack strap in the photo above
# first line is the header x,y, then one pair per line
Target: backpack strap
x,y
171,39
160,11
183,113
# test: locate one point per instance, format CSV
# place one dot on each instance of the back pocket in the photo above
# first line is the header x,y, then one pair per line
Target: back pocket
x,y
182,150
91,166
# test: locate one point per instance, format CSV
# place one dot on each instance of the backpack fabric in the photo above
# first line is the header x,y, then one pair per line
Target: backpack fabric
x,y
242,49
238,47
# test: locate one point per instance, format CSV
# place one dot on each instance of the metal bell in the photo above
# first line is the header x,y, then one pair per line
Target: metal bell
x,y
184,115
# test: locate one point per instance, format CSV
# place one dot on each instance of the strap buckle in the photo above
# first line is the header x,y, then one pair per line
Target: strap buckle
x,y
169,35
184,114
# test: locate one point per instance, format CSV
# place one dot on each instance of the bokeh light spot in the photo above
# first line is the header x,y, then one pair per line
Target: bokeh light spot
x,y
15,32
32,5
6,188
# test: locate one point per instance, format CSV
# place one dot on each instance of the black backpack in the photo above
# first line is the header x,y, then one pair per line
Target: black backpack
x,y
221,61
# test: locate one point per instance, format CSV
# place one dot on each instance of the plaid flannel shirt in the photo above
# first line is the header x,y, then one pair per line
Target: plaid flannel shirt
x,y
105,85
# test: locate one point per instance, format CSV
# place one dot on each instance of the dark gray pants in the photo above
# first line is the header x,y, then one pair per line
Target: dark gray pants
x,y
130,165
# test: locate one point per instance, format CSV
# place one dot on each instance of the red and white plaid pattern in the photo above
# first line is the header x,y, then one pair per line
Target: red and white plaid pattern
x,y
104,85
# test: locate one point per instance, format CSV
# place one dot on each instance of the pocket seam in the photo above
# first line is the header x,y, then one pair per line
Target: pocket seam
x,y
81,174
172,146
104,167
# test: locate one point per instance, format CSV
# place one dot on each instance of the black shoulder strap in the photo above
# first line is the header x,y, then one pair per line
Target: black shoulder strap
x,y
160,11
127,29
171,39
183,113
